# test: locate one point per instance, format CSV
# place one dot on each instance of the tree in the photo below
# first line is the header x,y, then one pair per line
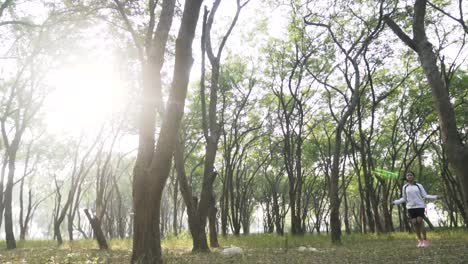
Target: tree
x,y
353,50
201,209
81,166
457,151
3,22
274,186
293,92
211,126
238,135
153,163
19,105
105,183
26,214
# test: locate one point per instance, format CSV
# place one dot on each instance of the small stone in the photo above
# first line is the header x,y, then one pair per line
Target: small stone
x,y
231,251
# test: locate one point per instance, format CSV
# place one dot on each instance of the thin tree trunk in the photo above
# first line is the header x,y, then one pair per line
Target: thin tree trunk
x,y
277,215
97,230
175,208
9,234
213,224
28,217
200,243
224,202
58,233
21,214
211,126
2,190
346,209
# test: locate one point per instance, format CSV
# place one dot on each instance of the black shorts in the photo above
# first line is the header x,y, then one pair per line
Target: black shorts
x,y
416,212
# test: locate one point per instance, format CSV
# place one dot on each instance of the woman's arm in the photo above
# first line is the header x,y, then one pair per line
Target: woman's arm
x,y
425,195
400,201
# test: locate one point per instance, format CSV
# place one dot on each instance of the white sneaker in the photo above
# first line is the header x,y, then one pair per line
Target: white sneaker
x,y
425,243
420,243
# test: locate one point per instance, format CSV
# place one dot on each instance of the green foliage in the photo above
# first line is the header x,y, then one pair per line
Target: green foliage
x,y
459,92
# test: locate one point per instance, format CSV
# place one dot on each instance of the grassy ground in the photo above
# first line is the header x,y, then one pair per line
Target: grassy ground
x,y
447,246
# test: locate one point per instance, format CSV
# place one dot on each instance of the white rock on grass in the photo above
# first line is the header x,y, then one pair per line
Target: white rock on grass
x,y
302,249
232,250
312,249
307,249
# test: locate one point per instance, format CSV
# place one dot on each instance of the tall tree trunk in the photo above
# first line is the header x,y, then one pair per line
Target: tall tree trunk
x,y
21,214
70,226
362,204
2,185
268,224
120,217
388,222
213,224
277,215
335,222
9,234
153,164
175,208
346,210
27,219
224,202
363,218
146,237
205,204
210,124
366,161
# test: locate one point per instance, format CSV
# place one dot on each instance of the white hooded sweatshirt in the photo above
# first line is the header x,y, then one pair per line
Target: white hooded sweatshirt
x,y
413,196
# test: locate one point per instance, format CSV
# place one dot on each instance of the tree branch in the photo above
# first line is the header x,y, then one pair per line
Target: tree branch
x,y
399,32
120,9
21,23
4,6
459,20
419,33
149,32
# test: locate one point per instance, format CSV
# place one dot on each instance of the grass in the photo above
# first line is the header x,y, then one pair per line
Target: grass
x,y
447,246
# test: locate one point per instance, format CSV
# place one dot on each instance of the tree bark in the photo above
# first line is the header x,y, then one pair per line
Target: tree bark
x,y
9,234
176,207
224,202
213,224
24,225
210,124
153,164
97,230
200,243
12,150
58,233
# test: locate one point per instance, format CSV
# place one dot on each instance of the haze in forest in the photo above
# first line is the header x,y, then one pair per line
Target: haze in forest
x,y
217,118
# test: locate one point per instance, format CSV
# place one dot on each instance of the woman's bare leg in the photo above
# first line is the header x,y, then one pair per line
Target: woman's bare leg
x,y
417,227
420,221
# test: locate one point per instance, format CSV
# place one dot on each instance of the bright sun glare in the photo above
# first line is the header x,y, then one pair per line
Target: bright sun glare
x,y
84,95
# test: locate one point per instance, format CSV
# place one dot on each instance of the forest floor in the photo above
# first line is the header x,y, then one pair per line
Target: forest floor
x,y
447,246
